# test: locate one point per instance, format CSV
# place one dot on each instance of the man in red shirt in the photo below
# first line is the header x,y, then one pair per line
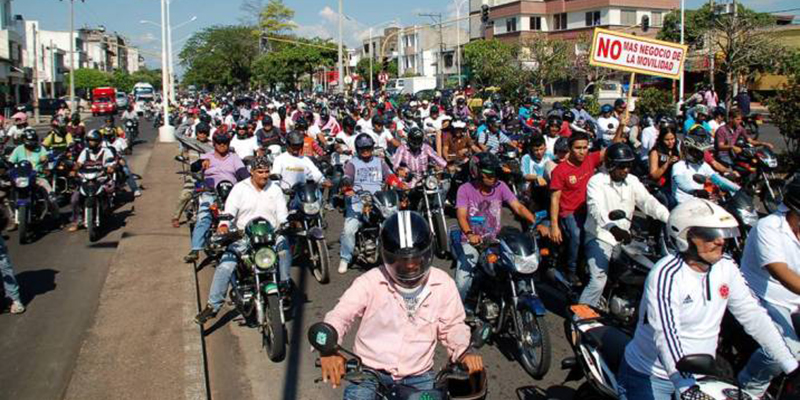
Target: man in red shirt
x,y
568,199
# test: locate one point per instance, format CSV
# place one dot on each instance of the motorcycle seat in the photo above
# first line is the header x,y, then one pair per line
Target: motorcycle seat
x,y
610,342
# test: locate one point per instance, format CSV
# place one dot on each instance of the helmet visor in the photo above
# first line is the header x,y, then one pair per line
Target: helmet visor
x,y
408,270
711,234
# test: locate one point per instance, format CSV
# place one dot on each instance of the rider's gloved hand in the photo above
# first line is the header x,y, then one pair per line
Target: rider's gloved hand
x,y
620,234
694,393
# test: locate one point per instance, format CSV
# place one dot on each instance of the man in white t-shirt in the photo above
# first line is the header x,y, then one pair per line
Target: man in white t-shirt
x,y
381,135
295,168
242,144
771,267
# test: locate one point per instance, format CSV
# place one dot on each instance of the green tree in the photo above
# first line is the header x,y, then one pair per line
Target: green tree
x,y
219,56
287,63
698,22
654,101
549,60
362,69
784,110
494,63
122,81
276,18
151,76
87,79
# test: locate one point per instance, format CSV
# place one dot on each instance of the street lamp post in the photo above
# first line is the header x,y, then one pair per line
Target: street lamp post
x,y
340,61
166,133
683,22
72,104
169,56
372,50
458,39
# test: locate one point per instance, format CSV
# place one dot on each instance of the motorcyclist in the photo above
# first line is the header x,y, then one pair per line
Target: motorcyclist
x,y
221,165
30,150
771,267
76,128
611,190
729,134
109,128
243,144
382,137
294,167
202,132
491,138
364,172
92,155
684,300
457,145
20,123
414,156
120,146
130,114
58,139
579,110
698,117
462,111
695,144
533,167
268,135
328,123
478,209
256,197
405,307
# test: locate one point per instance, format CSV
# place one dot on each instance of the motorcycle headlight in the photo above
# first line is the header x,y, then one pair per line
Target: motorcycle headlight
x,y
432,183
265,258
749,217
772,162
22,182
526,265
311,208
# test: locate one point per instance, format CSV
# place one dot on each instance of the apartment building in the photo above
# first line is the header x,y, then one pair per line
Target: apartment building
x,y
419,48
14,79
515,21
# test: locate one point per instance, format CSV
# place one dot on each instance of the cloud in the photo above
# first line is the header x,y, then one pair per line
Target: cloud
x,y
327,27
450,13
145,38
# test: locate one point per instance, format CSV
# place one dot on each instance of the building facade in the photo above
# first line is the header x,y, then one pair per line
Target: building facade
x,y
420,49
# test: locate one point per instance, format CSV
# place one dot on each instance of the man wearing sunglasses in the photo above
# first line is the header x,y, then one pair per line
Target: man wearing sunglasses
x,y
611,190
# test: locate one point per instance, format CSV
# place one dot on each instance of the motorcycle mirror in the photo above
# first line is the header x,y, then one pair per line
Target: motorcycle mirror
x,y
274,177
324,338
700,364
617,215
180,159
699,178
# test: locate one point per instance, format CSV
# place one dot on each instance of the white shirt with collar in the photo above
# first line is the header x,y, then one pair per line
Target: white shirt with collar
x,y
604,195
246,147
294,170
245,203
771,241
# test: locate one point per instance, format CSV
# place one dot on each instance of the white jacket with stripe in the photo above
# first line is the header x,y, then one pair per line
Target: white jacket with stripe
x,y
681,312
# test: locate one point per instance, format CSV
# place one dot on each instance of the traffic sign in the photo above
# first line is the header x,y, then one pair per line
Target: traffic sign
x,y
383,78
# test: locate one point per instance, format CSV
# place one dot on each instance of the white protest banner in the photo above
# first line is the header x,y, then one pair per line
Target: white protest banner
x,y
640,55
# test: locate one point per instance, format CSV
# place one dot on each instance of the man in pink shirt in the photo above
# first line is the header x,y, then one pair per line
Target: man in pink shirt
x,y
405,307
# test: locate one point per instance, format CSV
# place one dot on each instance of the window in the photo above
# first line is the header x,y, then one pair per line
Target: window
x,y
629,18
366,48
448,61
536,23
511,24
593,18
656,19
560,22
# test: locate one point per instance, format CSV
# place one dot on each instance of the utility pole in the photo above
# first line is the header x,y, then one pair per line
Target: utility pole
x,y
340,81
35,74
72,105
683,22
52,70
710,44
371,55
440,64
166,133
169,57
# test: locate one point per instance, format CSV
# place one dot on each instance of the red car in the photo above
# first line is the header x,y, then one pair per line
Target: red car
x,y
105,101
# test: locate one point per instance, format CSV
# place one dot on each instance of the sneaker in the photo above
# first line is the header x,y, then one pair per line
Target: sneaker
x,y
193,256
329,207
17,307
73,227
343,266
205,315
137,193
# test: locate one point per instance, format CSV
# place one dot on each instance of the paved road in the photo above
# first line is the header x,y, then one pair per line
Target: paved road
x,y
60,275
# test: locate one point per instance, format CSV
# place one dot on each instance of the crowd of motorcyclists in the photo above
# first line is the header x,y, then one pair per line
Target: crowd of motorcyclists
x,y
655,228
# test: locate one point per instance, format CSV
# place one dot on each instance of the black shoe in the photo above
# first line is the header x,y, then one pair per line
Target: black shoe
x,y
205,315
285,290
573,279
192,257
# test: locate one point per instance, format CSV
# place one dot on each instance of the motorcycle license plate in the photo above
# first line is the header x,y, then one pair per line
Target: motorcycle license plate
x,y
583,312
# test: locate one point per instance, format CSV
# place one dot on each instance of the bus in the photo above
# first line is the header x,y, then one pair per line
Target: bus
x,y
143,93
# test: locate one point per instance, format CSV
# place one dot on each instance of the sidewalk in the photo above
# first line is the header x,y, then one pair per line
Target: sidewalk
x,y
143,344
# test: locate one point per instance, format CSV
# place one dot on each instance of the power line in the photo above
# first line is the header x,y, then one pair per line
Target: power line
x,y
782,11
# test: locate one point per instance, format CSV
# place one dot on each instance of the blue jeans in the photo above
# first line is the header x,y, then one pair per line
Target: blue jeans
x,y
598,257
466,258
203,224
130,179
572,229
347,242
224,272
367,390
634,385
10,285
761,369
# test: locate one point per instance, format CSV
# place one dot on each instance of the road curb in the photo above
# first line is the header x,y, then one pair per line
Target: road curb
x,y
143,343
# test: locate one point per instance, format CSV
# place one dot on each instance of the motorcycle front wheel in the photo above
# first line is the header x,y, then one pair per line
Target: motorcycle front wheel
x,y
273,332
320,261
533,344
91,226
440,230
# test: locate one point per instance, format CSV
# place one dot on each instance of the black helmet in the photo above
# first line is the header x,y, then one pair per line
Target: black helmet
x,y
221,137
267,120
241,124
493,121
76,118
461,101
282,111
204,117
619,154
224,188
348,122
202,128
561,145
666,122
378,120
408,113
569,116
295,139
698,139
791,194
29,137
324,114
554,120
415,138
406,248
363,142
483,163
301,125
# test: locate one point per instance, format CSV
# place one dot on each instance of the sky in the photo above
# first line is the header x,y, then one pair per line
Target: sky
x,y
313,17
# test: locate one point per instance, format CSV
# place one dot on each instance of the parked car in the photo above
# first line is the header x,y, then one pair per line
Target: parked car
x,y
607,90
80,103
49,106
122,100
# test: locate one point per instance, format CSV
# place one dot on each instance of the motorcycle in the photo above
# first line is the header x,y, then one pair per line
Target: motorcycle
x,y
309,226
254,289
431,206
452,382
756,165
217,208
507,302
96,195
131,132
30,200
376,208
59,166
511,171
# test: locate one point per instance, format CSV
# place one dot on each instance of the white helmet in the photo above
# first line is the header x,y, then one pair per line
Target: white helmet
x,y
699,213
